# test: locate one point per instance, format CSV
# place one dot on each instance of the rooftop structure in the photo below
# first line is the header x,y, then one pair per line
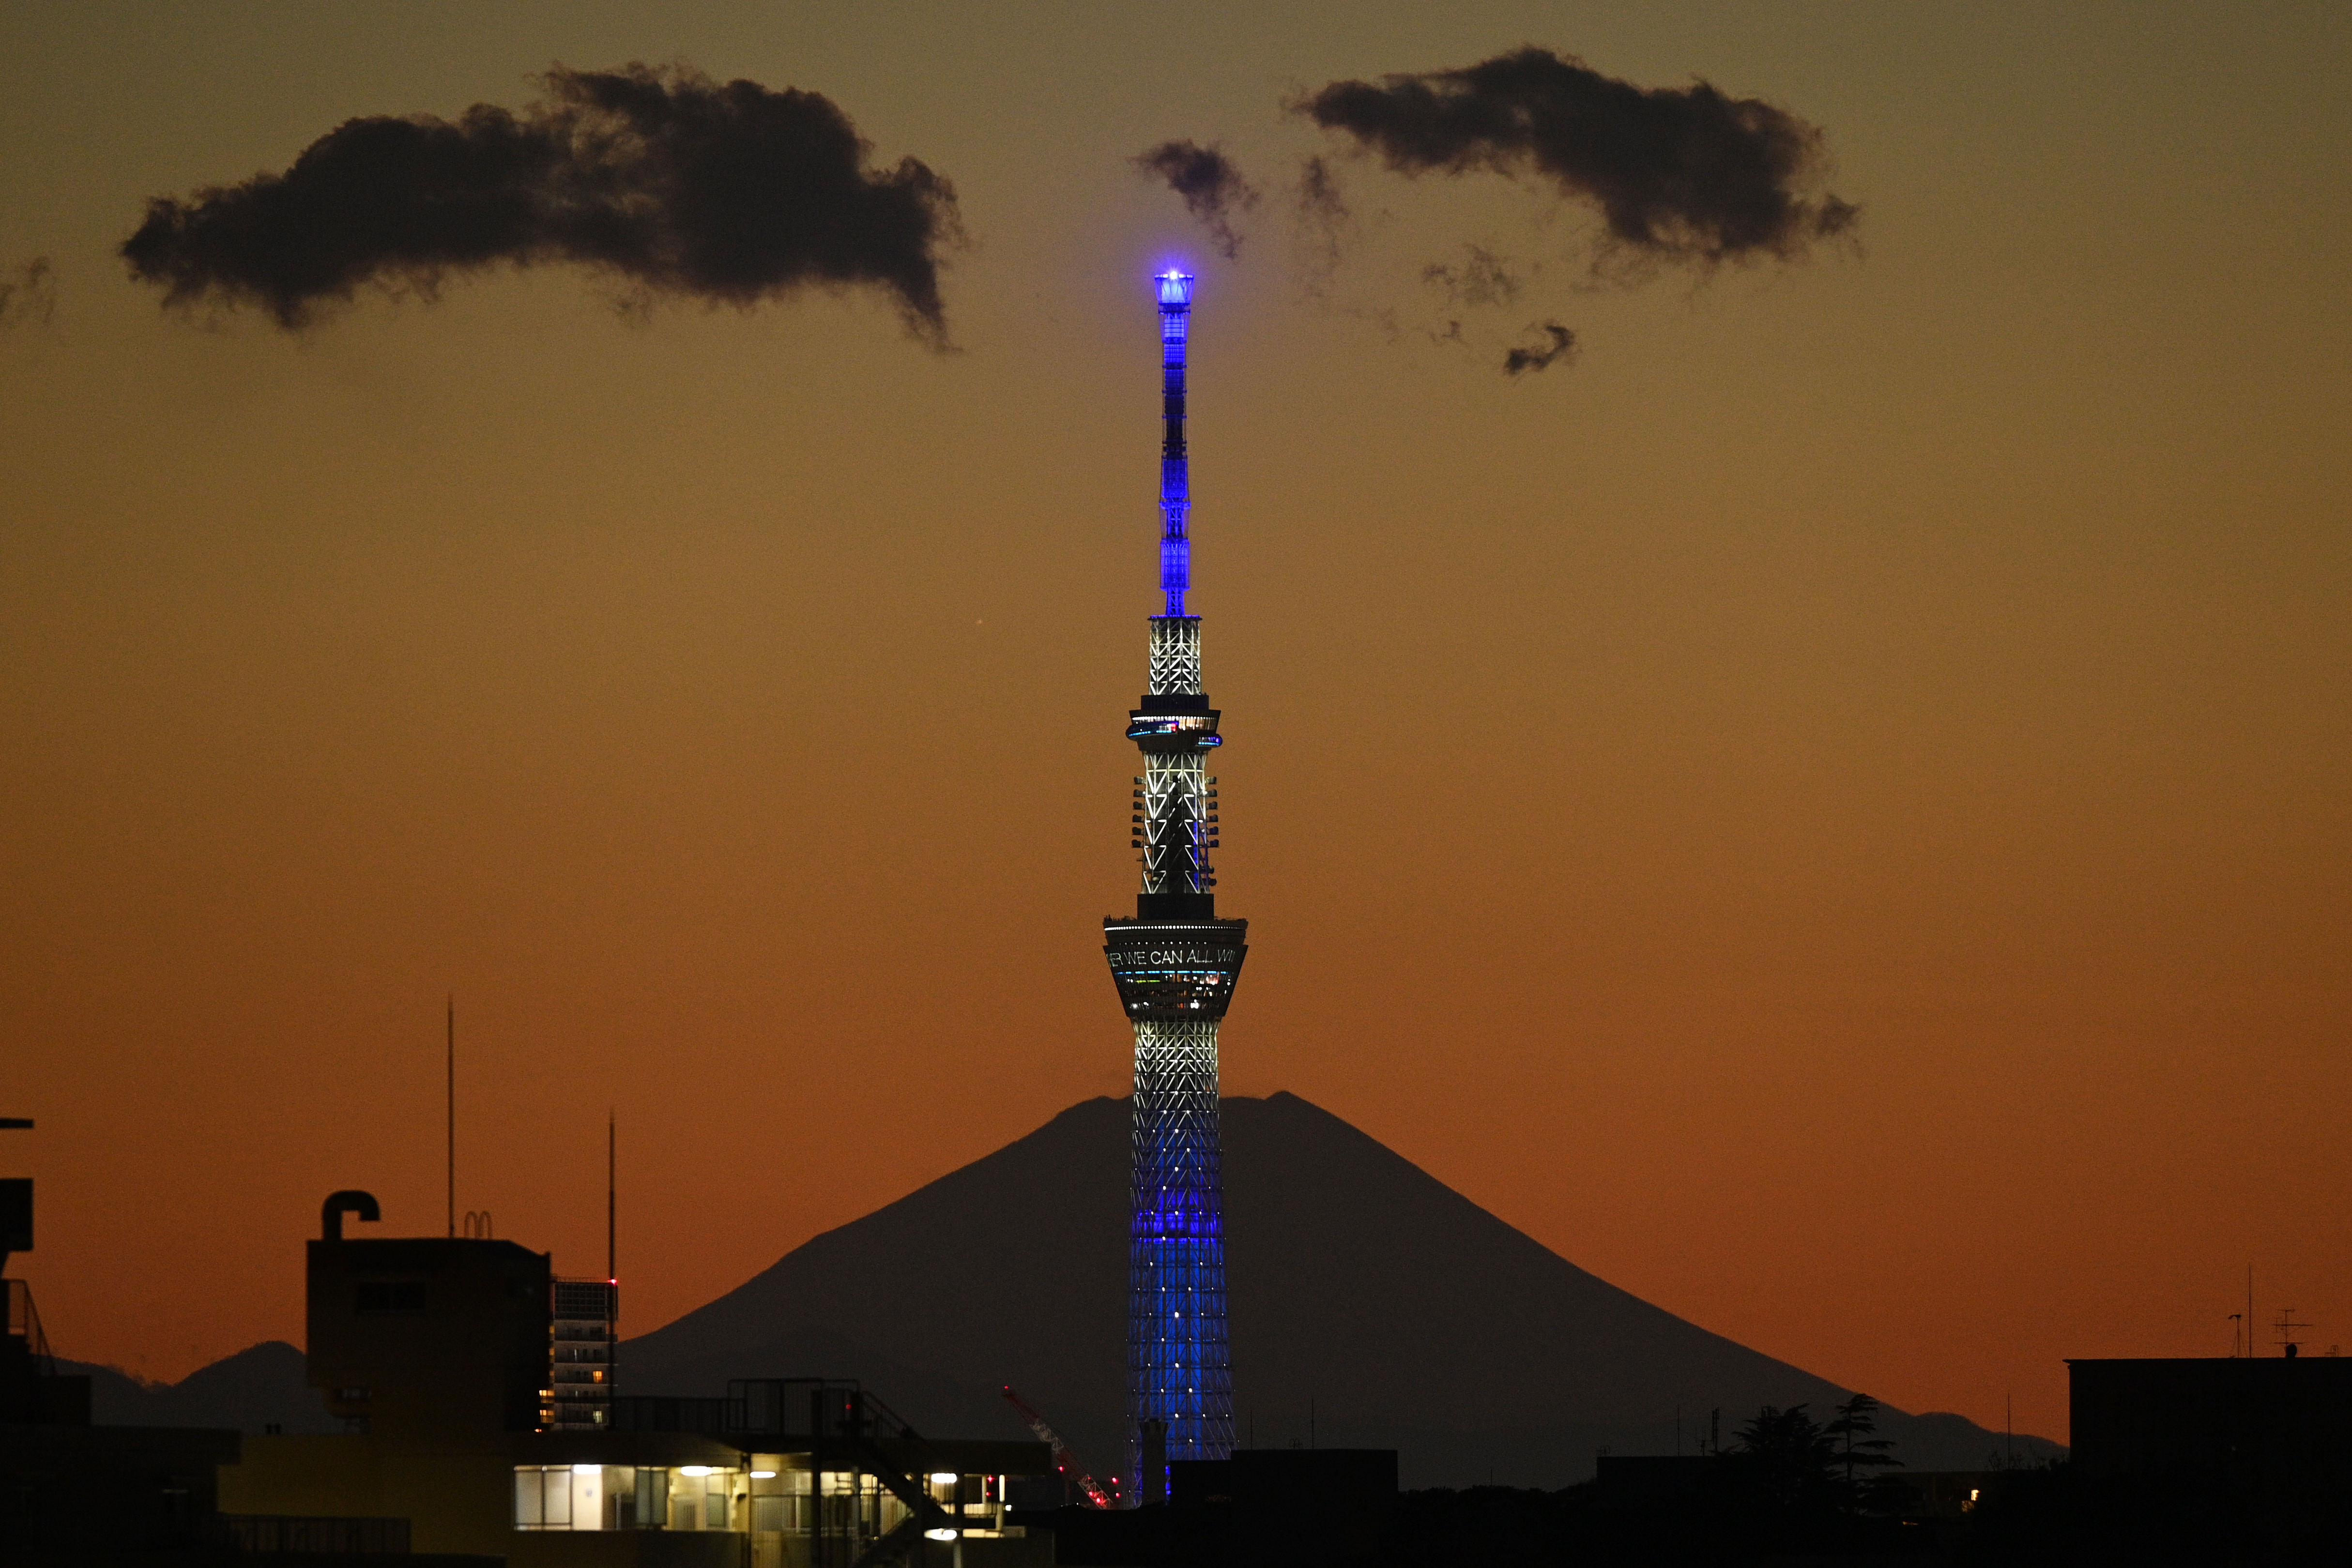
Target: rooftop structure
x,y
410,1336
31,1388
435,1353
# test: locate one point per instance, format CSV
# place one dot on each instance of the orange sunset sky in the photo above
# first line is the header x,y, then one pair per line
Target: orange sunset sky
x,y
1829,811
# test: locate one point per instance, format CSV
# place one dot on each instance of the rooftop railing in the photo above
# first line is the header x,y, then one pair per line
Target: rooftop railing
x,y
25,1324
810,1407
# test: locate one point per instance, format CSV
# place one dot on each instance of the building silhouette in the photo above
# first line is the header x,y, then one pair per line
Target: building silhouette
x,y
444,1358
71,1492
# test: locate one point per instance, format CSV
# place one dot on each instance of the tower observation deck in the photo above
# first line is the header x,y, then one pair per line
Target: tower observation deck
x,y
1175,965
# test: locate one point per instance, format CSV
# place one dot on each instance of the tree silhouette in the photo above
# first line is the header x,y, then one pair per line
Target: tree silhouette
x,y
1790,1457
1853,1435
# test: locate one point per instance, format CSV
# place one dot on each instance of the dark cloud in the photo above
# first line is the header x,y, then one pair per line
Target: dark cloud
x,y
1486,278
1553,343
28,293
1678,173
1320,200
1212,187
732,193
1324,221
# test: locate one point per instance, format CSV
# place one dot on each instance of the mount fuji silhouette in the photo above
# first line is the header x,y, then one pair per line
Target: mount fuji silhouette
x,y
1370,1305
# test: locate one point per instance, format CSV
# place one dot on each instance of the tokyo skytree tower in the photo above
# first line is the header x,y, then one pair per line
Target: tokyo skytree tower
x,y
1175,963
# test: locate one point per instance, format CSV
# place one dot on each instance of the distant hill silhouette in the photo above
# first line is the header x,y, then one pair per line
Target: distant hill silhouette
x,y
260,1386
1367,1298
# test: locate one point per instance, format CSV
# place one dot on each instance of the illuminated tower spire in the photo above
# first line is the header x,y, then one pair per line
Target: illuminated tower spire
x,y
1175,467
1175,963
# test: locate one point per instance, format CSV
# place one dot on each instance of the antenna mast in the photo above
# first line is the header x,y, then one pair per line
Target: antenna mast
x,y
452,1100
1175,472
612,1261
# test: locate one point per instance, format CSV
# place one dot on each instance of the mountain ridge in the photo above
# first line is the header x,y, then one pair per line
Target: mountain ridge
x,y
1370,1305
252,1390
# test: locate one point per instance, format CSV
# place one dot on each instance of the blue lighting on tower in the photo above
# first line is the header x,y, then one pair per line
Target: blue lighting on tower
x,y
1175,475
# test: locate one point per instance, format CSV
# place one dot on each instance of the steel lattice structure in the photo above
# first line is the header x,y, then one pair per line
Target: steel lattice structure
x,y
1175,965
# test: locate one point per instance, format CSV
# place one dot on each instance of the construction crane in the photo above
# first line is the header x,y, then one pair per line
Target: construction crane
x,y
1066,1458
